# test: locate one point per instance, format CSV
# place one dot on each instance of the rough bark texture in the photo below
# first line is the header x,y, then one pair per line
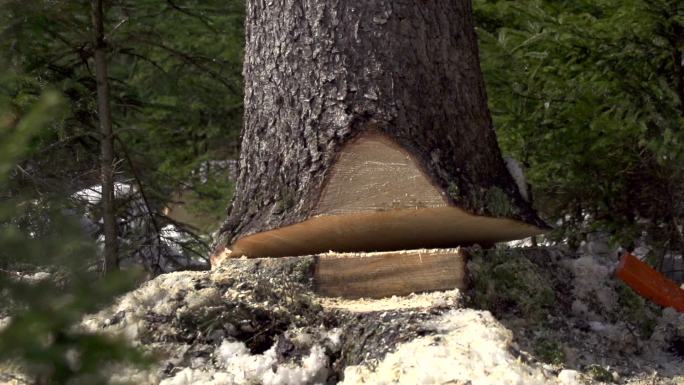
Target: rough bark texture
x,y
318,73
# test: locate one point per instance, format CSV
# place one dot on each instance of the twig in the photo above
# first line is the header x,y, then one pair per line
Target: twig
x,y
184,11
138,181
190,60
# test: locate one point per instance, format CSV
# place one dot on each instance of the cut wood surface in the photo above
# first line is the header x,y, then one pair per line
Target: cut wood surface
x,y
382,231
373,173
378,275
368,275
378,198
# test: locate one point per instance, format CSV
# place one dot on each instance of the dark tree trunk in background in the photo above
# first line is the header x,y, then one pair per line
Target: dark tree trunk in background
x,y
111,260
319,73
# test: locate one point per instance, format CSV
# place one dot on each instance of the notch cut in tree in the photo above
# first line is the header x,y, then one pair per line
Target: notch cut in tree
x,y
367,129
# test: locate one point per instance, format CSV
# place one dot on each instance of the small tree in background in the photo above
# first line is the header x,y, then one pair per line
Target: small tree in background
x,y
176,100
44,309
104,118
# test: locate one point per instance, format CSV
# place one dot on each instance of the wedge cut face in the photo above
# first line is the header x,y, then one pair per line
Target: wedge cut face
x,y
378,198
384,274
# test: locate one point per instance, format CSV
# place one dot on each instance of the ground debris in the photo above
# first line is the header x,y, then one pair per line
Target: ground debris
x,y
540,316
592,323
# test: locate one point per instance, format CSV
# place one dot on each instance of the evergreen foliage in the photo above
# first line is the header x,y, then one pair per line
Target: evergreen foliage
x,y
176,97
175,80
590,96
45,288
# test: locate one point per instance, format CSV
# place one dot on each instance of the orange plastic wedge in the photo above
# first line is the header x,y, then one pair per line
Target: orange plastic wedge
x,y
649,283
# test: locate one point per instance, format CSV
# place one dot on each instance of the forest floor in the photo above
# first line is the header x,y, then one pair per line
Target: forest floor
x,y
533,316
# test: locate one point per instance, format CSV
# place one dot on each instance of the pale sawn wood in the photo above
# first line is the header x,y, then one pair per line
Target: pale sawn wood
x,y
384,274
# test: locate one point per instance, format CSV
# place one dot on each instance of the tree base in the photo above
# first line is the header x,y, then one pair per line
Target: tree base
x,y
378,275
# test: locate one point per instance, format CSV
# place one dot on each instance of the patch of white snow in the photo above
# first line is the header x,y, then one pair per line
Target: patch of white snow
x,y
93,194
4,322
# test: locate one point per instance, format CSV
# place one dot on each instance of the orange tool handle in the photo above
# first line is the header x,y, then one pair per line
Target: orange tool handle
x,y
649,283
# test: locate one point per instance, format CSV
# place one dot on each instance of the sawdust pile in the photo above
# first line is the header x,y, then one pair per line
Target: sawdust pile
x,y
534,316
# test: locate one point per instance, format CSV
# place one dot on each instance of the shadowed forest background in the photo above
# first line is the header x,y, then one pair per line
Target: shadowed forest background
x,y
587,95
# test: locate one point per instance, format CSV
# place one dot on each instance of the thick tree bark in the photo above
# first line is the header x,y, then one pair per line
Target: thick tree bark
x,y
319,73
111,259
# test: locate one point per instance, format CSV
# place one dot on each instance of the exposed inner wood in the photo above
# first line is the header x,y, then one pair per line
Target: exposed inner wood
x,y
378,275
414,301
375,174
382,230
377,198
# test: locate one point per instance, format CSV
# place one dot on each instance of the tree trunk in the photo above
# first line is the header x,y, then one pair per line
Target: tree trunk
x,y
111,260
394,76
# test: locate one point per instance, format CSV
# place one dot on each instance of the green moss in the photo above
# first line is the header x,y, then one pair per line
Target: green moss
x,y
498,203
506,282
453,191
302,271
599,373
635,308
549,351
286,202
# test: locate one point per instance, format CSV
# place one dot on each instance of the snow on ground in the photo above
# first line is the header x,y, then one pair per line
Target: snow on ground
x,y
165,296
173,238
93,194
589,282
168,253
